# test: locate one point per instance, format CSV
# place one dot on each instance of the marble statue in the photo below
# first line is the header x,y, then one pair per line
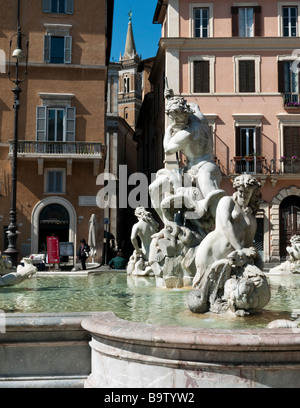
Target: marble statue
x,y
144,229
229,275
292,265
10,276
206,241
194,189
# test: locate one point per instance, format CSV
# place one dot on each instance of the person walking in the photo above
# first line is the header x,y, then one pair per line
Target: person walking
x,y
83,253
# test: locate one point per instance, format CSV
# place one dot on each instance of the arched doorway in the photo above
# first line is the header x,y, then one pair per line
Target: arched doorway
x,y
67,207
289,222
54,220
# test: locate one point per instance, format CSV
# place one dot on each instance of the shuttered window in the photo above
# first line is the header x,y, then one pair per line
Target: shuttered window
x,y
291,141
58,6
58,50
248,141
246,22
55,124
201,77
246,76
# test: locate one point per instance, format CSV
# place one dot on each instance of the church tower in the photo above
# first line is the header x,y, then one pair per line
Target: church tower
x,y
130,80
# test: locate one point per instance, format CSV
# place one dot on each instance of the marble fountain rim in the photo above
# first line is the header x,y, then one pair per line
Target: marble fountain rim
x,y
107,325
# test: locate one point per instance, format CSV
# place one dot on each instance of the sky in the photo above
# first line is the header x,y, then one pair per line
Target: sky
x,y
146,34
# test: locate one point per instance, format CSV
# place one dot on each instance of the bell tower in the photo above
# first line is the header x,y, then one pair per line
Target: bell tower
x,y
130,80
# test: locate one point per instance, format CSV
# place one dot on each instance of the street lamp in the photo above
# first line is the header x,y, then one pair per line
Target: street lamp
x,y
18,55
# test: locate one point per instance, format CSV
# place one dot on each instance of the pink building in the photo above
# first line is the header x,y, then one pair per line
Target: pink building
x,y
239,62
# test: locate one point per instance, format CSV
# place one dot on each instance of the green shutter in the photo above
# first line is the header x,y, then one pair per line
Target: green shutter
x,y
41,123
69,6
47,6
47,48
70,124
68,49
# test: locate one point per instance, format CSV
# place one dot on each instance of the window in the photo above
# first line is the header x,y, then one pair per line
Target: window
x,y
246,21
57,50
201,77
291,141
202,74
126,84
55,181
288,81
55,124
247,74
248,144
201,22
58,6
290,17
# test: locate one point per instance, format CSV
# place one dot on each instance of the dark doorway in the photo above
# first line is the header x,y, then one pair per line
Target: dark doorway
x,y
289,222
54,219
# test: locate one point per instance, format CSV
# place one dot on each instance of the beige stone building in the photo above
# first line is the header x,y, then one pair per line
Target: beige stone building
x,y
62,136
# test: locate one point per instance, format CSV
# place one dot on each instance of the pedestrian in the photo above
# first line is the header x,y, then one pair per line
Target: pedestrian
x,y
119,262
83,253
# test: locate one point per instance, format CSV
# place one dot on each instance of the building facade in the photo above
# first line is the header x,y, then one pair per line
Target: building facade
x,y
62,119
239,62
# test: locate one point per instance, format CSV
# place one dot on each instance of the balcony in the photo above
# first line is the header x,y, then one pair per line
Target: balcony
x,y
69,151
249,165
259,165
291,102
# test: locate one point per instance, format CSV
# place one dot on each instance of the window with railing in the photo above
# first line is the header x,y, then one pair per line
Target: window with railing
x,y
288,82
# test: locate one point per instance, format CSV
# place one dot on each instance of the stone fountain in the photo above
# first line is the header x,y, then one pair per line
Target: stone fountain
x,y
207,236
206,245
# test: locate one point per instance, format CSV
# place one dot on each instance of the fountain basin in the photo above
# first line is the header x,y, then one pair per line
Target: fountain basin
x,y
136,355
154,342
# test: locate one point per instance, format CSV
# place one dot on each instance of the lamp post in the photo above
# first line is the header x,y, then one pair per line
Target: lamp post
x,y
18,55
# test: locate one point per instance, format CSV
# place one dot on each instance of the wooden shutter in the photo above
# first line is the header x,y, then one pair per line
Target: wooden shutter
x,y
47,48
291,141
41,123
69,6
258,146
47,6
68,49
70,124
257,21
201,77
238,150
281,76
247,76
235,21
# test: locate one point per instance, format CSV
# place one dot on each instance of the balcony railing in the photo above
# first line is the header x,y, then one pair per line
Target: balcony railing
x,y
291,100
249,165
35,148
240,165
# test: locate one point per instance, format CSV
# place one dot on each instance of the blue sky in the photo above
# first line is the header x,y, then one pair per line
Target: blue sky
x,y
146,34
